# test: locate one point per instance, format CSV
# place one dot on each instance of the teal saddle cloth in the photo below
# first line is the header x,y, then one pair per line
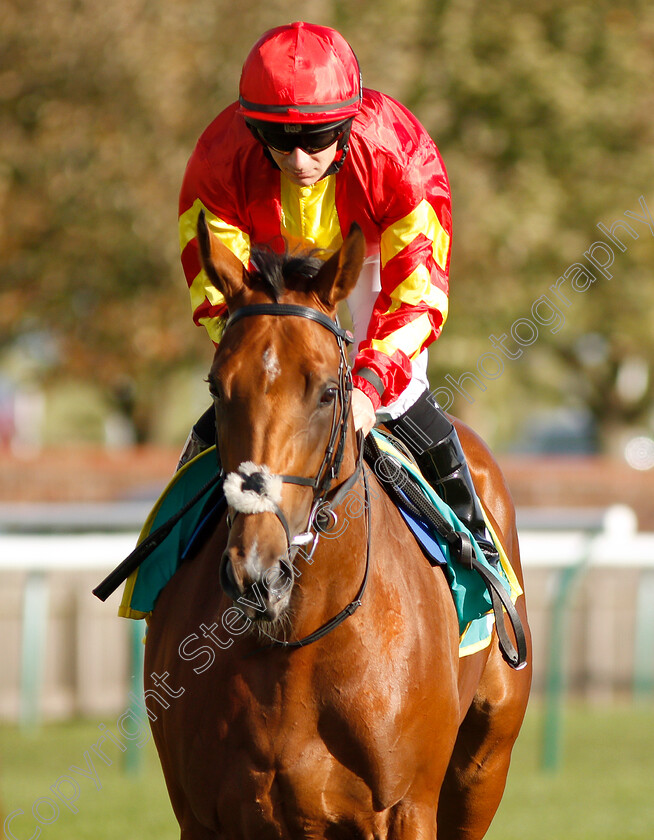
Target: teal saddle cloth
x,y
469,592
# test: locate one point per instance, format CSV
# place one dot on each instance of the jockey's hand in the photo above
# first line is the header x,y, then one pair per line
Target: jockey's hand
x,y
363,412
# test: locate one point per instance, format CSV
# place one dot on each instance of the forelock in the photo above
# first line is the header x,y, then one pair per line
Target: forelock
x,y
279,273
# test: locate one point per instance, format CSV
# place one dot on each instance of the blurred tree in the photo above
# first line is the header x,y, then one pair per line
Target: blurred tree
x,y
542,114
544,117
102,104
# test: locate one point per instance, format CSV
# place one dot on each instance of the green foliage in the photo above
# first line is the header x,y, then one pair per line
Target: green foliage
x,y
542,113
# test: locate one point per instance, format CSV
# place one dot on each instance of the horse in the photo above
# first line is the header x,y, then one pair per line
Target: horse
x,y
302,671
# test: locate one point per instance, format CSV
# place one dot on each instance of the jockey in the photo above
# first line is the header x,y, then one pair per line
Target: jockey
x,y
305,152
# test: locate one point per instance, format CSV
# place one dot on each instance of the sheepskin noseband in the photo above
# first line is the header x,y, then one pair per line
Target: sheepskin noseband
x,y
252,488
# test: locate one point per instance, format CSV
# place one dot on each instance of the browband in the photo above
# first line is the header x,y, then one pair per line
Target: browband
x,y
291,309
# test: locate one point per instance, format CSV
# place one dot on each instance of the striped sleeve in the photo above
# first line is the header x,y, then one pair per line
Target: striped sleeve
x,y
207,303
412,306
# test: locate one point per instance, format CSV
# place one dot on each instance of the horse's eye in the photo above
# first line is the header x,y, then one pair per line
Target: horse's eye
x,y
215,390
328,395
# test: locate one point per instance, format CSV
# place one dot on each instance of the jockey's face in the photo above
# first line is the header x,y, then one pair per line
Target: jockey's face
x,y
302,168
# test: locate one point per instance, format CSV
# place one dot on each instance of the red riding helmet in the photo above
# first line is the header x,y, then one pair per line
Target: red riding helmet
x,y
300,73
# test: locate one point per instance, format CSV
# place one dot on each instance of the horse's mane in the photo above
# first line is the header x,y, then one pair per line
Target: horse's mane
x,y
279,273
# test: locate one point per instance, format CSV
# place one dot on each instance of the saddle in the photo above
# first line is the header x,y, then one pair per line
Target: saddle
x,y
193,501
447,542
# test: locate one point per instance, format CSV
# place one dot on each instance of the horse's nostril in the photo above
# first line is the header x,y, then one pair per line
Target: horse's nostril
x,y
227,579
280,580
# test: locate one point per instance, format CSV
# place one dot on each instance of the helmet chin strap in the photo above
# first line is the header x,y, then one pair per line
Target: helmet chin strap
x,y
341,154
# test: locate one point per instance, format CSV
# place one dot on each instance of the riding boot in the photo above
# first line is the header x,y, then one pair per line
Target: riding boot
x,y
446,470
201,437
444,465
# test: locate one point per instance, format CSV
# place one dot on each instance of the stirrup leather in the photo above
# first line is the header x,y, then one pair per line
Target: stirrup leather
x,y
445,468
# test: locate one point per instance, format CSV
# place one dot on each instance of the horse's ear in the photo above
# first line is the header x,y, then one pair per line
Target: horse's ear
x,y
339,274
223,268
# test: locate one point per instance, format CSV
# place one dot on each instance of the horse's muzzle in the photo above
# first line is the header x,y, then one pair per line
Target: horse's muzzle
x,y
263,595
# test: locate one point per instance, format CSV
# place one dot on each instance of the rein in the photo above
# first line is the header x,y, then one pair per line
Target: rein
x,y
354,605
248,478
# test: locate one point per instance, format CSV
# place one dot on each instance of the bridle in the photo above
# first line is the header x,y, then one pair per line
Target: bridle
x,y
322,516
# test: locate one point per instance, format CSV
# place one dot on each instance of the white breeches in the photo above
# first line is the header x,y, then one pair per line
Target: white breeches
x,y
360,303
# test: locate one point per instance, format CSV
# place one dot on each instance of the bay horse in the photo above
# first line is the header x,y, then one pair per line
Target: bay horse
x,y
333,702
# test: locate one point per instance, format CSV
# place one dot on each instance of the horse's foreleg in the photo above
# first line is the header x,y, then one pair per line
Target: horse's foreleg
x,y
412,821
476,776
191,829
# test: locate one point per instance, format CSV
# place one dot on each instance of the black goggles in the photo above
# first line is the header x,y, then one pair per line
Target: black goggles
x,y
310,140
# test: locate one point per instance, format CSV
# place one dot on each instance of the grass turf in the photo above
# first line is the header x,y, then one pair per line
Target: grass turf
x,y
604,789
111,803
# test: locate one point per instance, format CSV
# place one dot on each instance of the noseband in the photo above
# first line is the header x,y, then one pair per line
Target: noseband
x,y
252,489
